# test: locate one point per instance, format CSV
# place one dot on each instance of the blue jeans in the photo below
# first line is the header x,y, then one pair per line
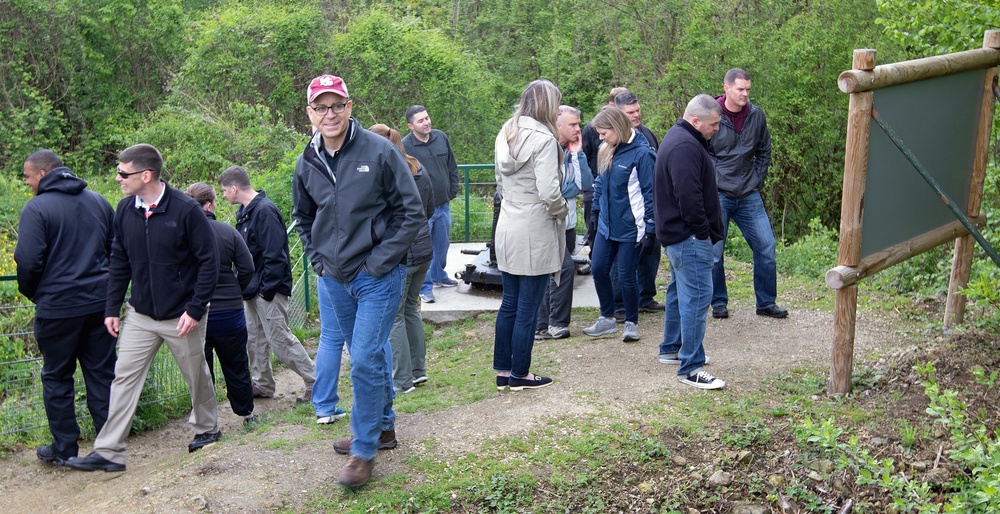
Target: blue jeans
x,y
645,273
749,214
365,308
329,353
606,252
440,223
688,295
515,325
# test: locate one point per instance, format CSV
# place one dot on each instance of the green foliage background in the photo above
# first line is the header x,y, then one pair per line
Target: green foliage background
x,y
219,82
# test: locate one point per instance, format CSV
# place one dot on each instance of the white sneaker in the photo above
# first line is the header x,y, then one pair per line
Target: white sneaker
x,y
631,332
702,380
671,358
602,327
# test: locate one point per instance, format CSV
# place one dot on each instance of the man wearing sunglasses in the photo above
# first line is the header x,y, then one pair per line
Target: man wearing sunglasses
x,y
164,246
357,211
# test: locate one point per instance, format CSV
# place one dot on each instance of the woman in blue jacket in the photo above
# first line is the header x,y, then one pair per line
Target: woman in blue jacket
x,y
623,206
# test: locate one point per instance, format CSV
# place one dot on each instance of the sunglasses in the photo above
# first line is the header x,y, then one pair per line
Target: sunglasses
x,y
125,174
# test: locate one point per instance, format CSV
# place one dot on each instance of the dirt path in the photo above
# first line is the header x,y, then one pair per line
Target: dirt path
x,y
263,472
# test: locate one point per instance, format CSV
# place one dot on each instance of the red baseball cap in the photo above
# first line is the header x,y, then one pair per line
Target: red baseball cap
x,y
326,84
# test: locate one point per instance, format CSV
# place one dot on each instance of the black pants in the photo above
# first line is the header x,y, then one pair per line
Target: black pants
x,y
558,300
63,342
232,351
645,273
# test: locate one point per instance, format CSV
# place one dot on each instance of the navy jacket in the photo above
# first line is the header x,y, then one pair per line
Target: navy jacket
x,y
684,191
63,243
439,161
263,228
169,258
624,193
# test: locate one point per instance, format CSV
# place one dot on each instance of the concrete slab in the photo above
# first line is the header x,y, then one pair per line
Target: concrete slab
x,y
464,301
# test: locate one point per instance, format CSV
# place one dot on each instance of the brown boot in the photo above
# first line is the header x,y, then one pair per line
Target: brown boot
x,y
356,473
386,441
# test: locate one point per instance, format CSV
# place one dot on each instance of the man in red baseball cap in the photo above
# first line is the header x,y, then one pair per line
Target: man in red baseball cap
x,y
357,211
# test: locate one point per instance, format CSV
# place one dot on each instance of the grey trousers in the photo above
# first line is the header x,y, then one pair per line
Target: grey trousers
x,y
554,311
409,350
267,331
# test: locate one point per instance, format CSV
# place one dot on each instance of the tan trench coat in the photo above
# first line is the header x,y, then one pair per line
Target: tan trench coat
x,y
531,229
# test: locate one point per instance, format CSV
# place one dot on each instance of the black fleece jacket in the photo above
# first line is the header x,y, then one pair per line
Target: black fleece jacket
x,y
263,228
235,267
685,197
63,242
169,258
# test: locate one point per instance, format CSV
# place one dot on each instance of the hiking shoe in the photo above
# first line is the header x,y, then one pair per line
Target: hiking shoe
x,y
307,397
631,332
93,462
620,316
386,441
602,327
720,312
502,382
517,384
773,312
427,297
447,282
420,380
702,380
652,306
326,420
356,473
250,420
558,332
202,440
48,455
671,358
583,269
542,333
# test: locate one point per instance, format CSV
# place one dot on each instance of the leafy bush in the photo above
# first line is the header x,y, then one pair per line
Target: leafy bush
x,y
812,254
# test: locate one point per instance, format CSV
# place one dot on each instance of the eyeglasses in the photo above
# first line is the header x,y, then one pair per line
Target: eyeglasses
x,y
125,174
321,110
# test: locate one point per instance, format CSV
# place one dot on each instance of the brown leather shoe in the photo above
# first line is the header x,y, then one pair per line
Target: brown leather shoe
x,y
386,441
356,473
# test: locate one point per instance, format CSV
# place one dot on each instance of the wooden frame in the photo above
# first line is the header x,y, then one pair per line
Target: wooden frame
x,y
860,82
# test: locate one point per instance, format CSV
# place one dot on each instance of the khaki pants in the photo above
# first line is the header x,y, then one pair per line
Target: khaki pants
x,y
267,331
140,338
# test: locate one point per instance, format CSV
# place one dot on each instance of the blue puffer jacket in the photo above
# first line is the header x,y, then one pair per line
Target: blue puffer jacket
x,y
624,192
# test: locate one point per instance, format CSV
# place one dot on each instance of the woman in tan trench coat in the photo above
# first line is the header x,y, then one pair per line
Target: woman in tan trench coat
x,y
530,232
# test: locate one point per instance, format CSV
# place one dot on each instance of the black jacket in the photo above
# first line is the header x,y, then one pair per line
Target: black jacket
x,y
439,161
742,159
590,142
654,143
422,250
236,269
263,228
685,197
63,242
364,210
169,258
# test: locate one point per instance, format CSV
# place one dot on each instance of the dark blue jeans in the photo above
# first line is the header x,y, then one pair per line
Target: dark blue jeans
x,y
645,275
606,252
750,216
231,347
688,296
515,326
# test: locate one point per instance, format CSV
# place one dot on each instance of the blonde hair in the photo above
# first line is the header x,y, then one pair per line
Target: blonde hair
x,y
611,118
393,135
539,100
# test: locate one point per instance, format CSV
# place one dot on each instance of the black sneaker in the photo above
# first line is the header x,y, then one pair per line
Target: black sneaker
x,y
720,312
48,455
93,462
202,440
502,382
447,282
542,333
702,380
620,316
517,384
